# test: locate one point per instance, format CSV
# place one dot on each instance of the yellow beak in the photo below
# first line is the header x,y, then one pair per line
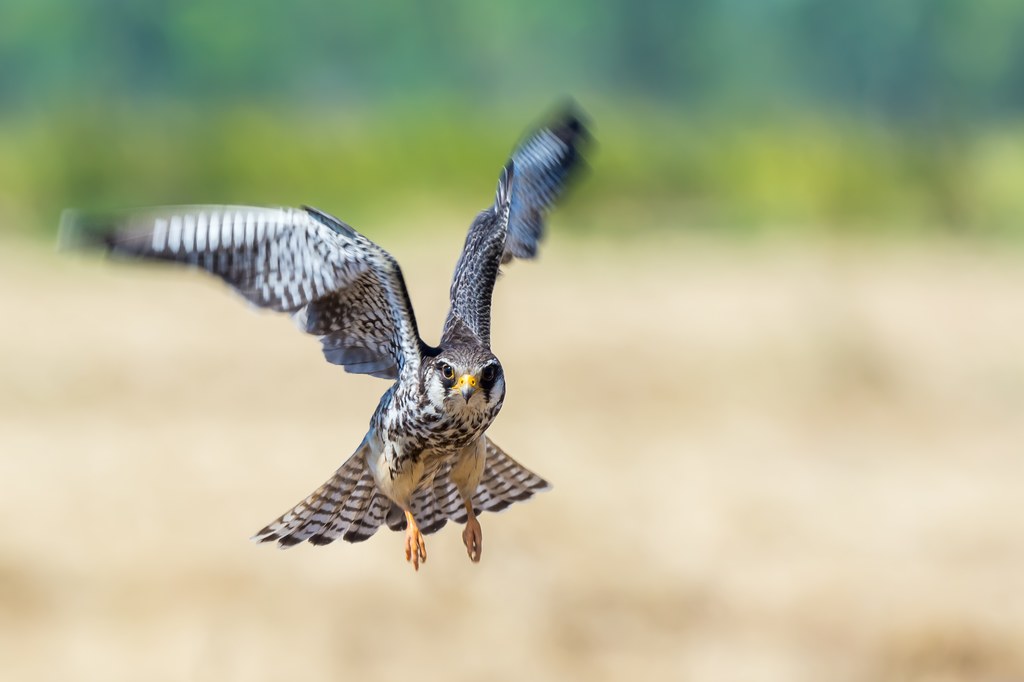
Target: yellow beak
x,y
467,386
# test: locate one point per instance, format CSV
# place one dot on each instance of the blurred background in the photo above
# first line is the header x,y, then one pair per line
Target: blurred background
x,y
784,311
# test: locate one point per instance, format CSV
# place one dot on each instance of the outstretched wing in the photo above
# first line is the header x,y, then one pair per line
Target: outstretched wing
x,y
545,163
477,268
339,285
531,183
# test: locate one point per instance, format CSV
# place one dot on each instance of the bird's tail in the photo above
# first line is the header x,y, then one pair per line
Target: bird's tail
x,y
503,482
347,506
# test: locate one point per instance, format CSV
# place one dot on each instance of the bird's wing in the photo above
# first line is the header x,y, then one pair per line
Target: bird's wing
x,y
477,268
531,183
545,164
338,284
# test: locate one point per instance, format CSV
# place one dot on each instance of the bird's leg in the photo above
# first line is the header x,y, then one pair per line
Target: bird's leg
x,y
472,536
415,548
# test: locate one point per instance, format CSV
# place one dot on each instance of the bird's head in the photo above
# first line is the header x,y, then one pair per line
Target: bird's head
x,y
459,380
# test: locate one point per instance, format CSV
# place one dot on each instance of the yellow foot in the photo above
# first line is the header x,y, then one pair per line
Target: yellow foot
x,y
473,538
415,548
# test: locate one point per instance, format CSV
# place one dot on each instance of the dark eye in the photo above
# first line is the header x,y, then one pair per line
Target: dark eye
x,y
489,374
446,371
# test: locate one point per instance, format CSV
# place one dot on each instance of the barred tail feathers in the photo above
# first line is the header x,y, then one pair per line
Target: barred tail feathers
x,y
347,506
503,482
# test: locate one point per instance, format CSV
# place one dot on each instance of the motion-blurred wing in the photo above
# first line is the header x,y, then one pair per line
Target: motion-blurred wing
x,y
545,164
341,286
531,183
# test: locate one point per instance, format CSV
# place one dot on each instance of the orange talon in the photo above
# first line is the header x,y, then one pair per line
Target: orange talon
x,y
415,547
472,536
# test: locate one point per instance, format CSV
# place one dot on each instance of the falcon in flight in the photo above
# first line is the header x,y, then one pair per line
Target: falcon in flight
x,y
426,458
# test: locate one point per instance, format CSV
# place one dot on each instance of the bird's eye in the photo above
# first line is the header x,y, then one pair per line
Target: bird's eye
x,y
489,374
446,371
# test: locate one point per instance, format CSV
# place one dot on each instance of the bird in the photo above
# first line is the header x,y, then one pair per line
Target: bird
x,y
426,457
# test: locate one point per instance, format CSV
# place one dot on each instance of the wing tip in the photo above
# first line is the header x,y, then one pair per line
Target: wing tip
x,y
326,219
80,231
570,123
503,193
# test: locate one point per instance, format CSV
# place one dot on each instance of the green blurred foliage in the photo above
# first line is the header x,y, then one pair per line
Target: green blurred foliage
x,y
748,115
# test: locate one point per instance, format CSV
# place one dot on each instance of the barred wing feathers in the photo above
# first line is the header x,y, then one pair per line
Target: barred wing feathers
x,y
339,285
477,267
546,163
537,175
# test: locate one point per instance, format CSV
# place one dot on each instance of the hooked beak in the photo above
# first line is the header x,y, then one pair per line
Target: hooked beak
x,y
467,386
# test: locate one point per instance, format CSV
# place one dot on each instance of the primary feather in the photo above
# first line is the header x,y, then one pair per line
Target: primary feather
x,y
339,285
541,169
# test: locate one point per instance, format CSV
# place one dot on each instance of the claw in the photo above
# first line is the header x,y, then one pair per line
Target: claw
x,y
415,547
472,536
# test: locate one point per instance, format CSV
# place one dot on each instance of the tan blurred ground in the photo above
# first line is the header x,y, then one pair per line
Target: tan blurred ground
x,y
771,462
